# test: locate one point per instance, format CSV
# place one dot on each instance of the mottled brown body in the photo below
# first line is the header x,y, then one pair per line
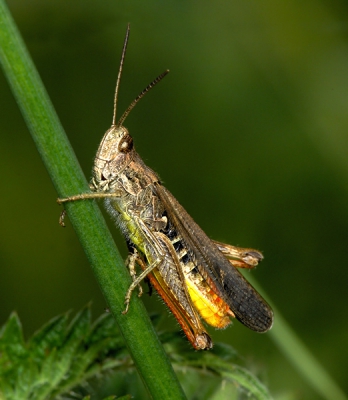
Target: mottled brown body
x,y
195,276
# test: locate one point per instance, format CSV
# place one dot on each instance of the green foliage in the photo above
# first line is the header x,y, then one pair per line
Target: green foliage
x,y
64,355
57,357
214,374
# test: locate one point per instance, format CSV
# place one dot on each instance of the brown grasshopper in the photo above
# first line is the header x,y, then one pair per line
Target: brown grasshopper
x,y
195,276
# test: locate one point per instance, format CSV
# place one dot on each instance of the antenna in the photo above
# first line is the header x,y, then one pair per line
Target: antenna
x,y
140,96
120,73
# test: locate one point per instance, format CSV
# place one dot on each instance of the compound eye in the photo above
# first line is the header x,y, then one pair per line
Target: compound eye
x,y
126,144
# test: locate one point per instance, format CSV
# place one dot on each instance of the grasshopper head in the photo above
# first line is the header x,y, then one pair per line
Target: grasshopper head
x,y
114,154
116,149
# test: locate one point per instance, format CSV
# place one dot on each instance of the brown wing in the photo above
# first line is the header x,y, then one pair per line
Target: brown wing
x,y
248,306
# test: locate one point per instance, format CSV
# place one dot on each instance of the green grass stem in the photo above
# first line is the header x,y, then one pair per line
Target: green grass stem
x,y
300,356
66,174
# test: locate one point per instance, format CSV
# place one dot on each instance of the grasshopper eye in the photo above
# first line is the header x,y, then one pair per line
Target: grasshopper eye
x,y
126,144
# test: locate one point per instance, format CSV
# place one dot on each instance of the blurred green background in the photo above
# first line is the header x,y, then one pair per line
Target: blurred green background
x,y
249,131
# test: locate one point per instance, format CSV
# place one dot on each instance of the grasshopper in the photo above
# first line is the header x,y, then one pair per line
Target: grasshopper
x,y
196,276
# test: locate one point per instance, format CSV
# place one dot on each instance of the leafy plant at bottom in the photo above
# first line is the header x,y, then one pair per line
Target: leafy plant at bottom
x,y
73,360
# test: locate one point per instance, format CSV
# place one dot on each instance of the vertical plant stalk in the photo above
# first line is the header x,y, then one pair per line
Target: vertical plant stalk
x,y
300,356
66,174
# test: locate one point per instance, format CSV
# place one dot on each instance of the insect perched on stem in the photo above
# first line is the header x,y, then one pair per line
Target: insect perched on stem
x,y
196,277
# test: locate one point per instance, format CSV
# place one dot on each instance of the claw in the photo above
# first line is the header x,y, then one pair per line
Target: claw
x,y
127,306
61,218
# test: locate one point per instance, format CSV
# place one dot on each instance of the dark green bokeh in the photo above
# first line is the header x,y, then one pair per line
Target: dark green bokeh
x,y
249,131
